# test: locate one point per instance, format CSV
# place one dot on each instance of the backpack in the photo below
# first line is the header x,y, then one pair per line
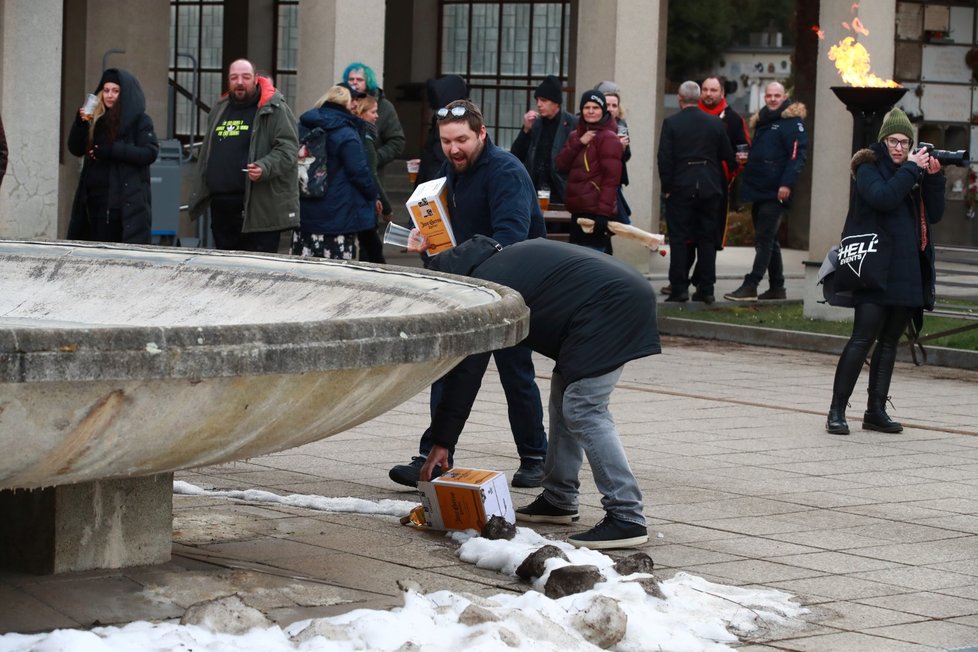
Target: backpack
x,y
312,162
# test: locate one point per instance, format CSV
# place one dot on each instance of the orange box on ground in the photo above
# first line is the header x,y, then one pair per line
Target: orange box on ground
x,y
463,499
428,207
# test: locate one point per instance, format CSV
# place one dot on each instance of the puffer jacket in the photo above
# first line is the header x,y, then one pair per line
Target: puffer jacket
x,y
889,197
129,157
593,170
272,203
349,203
778,152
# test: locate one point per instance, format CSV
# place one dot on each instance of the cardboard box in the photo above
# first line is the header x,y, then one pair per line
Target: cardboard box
x,y
428,207
463,499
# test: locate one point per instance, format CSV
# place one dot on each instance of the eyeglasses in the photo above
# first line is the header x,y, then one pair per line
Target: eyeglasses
x,y
898,142
457,111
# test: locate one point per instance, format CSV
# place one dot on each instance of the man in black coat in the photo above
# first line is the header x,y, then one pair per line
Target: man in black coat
x,y
591,314
692,151
542,137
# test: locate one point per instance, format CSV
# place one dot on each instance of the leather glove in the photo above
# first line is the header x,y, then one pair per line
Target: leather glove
x,y
600,224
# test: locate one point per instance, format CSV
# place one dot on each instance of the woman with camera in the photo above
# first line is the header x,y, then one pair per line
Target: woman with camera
x,y
900,193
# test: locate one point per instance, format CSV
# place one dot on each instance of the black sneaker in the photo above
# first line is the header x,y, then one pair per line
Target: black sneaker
x,y
611,532
409,474
541,511
774,294
530,473
745,292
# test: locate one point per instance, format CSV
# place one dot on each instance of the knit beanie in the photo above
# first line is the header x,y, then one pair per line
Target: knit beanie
x,y
896,122
109,75
549,89
607,87
594,96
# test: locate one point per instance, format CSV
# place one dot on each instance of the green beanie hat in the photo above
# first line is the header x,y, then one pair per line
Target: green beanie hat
x,y
896,122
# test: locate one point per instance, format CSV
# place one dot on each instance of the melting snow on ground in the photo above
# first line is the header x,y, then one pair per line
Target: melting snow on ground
x,y
695,614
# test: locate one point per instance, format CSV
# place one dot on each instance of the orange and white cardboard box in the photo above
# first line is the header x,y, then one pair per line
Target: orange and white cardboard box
x,y
463,499
428,207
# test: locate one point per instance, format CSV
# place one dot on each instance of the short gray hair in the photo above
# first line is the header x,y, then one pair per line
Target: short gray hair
x,y
689,92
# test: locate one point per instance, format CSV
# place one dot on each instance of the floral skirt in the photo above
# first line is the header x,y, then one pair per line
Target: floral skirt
x,y
319,245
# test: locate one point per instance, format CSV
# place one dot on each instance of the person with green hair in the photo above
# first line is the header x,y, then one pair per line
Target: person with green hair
x,y
388,141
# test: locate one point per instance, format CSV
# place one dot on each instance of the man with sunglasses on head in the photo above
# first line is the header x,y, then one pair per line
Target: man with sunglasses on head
x,y
490,193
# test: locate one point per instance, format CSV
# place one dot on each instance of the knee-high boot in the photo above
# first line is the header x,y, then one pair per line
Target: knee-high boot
x,y
880,373
846,375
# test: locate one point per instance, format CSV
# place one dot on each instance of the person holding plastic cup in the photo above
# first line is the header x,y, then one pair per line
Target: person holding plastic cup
x,y
117,141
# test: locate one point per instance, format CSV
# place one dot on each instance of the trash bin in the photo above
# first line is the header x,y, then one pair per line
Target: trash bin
x,y
164,176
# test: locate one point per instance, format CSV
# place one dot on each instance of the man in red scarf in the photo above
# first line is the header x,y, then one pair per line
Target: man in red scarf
x,y
713,101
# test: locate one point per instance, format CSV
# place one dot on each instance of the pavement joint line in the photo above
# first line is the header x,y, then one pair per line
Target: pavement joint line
x,y
768,406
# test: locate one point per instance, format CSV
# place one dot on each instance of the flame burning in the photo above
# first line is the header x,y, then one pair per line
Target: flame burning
x,y
852,59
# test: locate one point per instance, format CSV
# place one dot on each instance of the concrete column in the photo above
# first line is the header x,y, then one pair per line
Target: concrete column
x,y
30,98
332,33
625,41
831,143
78,527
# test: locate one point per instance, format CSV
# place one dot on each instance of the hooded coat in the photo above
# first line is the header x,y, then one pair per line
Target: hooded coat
x,y
778,152
890,197
272,203
349,203
441,92
127,158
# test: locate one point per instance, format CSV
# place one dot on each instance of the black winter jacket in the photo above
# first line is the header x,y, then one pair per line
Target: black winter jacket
x,y
129,158
889,197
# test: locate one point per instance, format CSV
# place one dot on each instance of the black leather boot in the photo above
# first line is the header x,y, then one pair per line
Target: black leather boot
x,y
836,423
876,418
880,373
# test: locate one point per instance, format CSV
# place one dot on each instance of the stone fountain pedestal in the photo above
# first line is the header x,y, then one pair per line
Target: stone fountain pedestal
x,y
120,365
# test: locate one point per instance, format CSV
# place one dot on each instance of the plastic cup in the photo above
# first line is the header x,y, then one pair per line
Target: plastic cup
x,y
396,235
742,151
543,196
413,165
88,108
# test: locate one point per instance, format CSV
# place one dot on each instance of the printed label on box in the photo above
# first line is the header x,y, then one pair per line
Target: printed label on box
x,y
464,499
428,207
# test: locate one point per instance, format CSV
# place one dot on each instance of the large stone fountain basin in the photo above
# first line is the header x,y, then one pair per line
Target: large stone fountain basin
x,y
132,361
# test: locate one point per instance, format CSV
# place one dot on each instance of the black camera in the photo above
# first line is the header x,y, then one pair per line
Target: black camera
x,y
946,157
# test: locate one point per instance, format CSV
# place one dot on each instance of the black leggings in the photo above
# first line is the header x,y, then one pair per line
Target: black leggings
x,y
873,323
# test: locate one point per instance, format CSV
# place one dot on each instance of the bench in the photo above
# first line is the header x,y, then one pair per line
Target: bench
x,y
558,223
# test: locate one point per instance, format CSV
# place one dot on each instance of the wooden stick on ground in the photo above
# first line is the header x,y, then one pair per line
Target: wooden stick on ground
x,y
651,240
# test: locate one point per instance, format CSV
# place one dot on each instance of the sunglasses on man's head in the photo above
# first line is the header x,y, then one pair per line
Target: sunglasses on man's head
x,y
457,111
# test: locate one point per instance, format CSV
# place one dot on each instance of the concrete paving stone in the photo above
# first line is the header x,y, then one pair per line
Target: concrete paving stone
x,y
26,614
684,496
683,556
961,473
922,493
673,532
928,553
837,562
919,578
944,635
770,526
957,505
119,599
834,587
908,512
883,478
758,571
904,532
825,499
830,540
787,488
724,509
853,641
964,566
924,603
755,547
855,616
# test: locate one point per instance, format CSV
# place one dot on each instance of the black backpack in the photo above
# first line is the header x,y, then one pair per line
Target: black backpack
x,y
312,162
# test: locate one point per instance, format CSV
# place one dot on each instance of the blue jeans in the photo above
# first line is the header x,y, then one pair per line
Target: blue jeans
x,y
580,424
518,378
767,216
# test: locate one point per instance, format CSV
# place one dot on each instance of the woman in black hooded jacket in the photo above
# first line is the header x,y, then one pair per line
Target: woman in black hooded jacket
x,y
118,143
899,192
